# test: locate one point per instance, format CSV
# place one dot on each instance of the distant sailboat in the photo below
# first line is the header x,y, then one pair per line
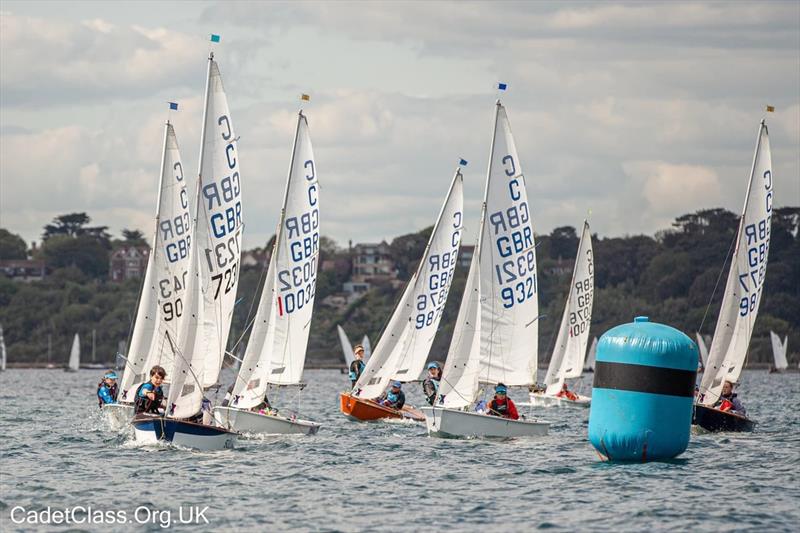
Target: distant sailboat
x,y
403,348
742,296
74,355
367,348
496,332
210,287
347,348
3,355
276,351
588,366
701,345
779,351
569,352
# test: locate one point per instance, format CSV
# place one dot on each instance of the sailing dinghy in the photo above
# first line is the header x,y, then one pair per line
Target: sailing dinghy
x,y
162,299
496,331
403,348
779,352
210,289
276,351
573,334
703,348
588,366
3,355
74,363
742,296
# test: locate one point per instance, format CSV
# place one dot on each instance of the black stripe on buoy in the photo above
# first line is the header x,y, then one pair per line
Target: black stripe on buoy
x,y
640,378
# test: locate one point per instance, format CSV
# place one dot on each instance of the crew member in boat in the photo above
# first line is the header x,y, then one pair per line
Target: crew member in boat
x,y
394,397
107,389
728,401
566,393
501,405
431,384
264,408
357,366
149,395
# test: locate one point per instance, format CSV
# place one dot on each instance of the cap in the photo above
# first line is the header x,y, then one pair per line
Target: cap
x,y
432,364
396,384
110,375
501,388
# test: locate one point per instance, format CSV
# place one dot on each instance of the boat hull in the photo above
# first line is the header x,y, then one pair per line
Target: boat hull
x,y
364,410
251,422
450,423
538,399
152,429
118,415
712,419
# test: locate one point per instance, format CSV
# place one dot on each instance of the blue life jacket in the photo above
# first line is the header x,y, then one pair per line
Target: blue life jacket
x,y
356,368
392,397
145,404
105,394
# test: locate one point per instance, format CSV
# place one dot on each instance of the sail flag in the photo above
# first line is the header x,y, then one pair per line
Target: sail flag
x,y
509,284
173,106
215,38
745,284
277,349
403,348
162,302
573,335
462,162
219,223
502,86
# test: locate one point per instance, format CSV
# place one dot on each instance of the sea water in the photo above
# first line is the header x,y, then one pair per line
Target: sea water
x,y
59,455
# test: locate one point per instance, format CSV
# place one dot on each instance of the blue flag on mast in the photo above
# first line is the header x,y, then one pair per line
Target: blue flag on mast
x,y
214,38
462,162
173,105
502,86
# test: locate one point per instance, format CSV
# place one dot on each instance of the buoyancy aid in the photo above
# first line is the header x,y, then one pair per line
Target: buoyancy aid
x,y
356,368
143,404
725,405
499,408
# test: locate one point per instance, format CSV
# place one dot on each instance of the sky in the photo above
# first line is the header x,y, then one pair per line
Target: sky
x,y
631,113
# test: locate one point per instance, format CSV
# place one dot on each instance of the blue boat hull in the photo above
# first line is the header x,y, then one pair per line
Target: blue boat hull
x,y
150,429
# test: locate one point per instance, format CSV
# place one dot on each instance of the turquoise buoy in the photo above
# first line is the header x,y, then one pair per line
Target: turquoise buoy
x,y
643,392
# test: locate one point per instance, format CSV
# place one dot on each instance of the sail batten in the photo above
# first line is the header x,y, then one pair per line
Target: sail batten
x,y
743,289
403,348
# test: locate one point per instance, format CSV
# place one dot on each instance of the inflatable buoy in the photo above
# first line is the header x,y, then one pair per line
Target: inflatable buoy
x,y
643,392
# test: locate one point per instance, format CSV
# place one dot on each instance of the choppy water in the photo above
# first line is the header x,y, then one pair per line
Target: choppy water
x,y
390,476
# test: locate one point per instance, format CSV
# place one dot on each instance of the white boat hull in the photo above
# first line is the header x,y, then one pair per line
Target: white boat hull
x,y
443,422
244,421
118,415
538,399
150,429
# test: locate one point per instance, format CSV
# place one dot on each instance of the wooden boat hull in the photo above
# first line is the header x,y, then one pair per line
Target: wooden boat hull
x,y
151,429
712,419
451,423
364,410
118,415
538,399
244,421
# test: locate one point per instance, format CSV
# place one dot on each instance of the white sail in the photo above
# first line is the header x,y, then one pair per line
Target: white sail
x,y
403,348
701,344
573,335
347,348
219,223
277,348
745,283
509,284
161,305
779,351
186,392
3,355
75,354
589,364
367,347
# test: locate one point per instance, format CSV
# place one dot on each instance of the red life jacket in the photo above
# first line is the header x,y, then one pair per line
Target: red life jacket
x,y
725,406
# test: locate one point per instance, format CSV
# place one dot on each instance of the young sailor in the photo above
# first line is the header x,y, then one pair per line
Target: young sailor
x,y
728,401
107,389
394,397
357,366
566,393
501,405
431,384
149,395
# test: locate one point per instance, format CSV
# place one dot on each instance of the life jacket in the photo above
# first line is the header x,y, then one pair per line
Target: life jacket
x,y
356,368
113,390
725,406
392,397
143,404
430,386
99,388
500,409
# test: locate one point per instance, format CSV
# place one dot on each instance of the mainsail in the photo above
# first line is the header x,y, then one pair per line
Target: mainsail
x,y
161,305
779,350
219,223
745,283
508,284
573,335
75,354
276,351
403,348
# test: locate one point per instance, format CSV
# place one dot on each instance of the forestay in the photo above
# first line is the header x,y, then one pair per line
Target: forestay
x,y
746,276
779,350
573,335
508,284
219,224
403,348
161,305
277,348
